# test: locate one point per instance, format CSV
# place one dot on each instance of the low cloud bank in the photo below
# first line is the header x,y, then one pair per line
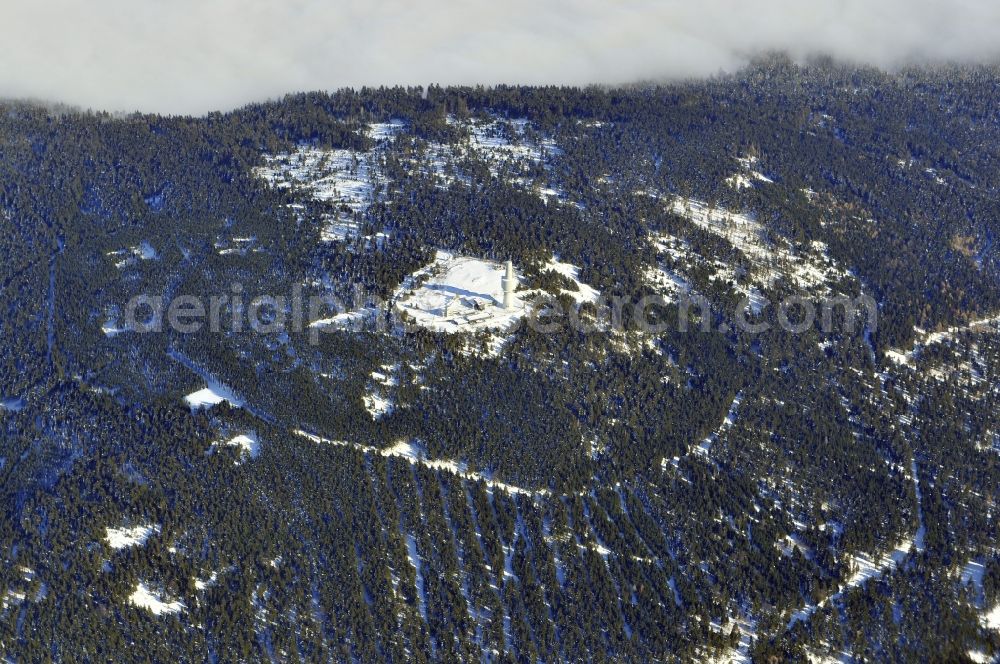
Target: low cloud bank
x,y
192,56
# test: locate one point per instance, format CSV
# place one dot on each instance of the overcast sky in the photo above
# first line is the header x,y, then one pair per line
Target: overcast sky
x,y
191,56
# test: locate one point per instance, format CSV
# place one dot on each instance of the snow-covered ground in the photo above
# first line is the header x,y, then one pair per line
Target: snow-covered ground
x,y
499,140
807,268
506,149
346,320
465,294
741,653
120,538
705,447
248,445
234,245
666,281
748,176
112,330
214,392
584,292
462,294
745,180
925,338
897,357
413,454
458,294
972,575
866,568
201,584
125,257
347,178
991,620
978,656
414,558
377,403
380,131
153,602
352,179
19,589
841,657
11,405
739,181
341,176
811,269
212,395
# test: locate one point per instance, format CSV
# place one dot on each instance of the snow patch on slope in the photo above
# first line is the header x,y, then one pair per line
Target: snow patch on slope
x,y
925,339
992,619
111,329
866,568
805,267
347,179
410,452
705,447
381,131
583,292
126,257
377,406
158,605
248,446
376,401
121,538
745,179
212,395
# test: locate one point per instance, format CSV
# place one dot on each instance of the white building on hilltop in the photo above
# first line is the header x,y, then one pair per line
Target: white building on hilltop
x,y
454,307
461,294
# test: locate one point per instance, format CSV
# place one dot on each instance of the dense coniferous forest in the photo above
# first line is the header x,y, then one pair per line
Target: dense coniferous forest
x,y
395,491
